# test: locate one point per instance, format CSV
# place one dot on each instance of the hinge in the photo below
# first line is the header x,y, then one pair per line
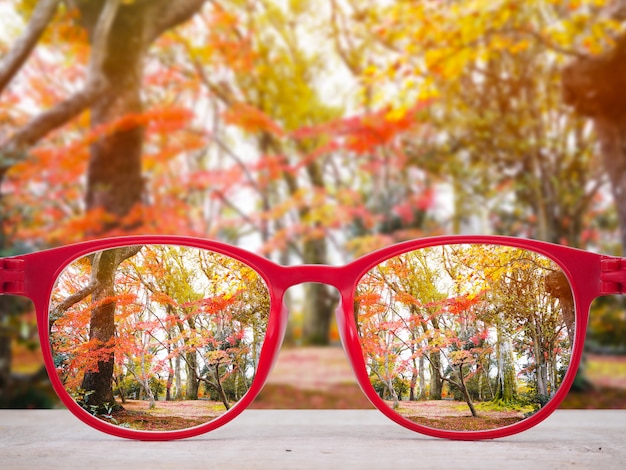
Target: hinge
x,y
613,275
11,276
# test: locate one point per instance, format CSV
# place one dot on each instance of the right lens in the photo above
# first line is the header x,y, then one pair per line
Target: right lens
x,y
157,337
466,337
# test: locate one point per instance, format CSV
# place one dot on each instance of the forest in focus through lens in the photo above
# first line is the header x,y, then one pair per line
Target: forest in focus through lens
x,y
311,132
184,324
466,337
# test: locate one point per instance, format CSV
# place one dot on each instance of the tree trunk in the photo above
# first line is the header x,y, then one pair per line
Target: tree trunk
x,y
179,380
436,381
594,86
505,380
219,388
434,358
170,382
120,388
557,285
422,377
149,393
98,383
541,368
318,302
191,392
414,377
114,181
612,137
465,392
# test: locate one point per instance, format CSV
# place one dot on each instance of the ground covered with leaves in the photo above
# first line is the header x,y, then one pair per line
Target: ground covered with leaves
x,y
320,378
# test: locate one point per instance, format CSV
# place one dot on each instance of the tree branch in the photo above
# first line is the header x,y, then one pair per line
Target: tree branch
x,y
100,38
555,47
615,9
13,61
62,307
343,54
168,14
121,255
14,149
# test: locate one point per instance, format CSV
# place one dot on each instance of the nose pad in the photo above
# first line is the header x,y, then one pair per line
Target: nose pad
x,y
284,316
341,323
349,342
352,349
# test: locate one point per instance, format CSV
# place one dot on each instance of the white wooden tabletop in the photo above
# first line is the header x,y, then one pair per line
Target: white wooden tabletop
x,y
313,439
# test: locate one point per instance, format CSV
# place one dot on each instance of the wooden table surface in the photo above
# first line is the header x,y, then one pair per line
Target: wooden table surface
x,y
303,439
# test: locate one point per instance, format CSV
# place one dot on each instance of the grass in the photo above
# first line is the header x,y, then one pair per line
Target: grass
x,y
501,406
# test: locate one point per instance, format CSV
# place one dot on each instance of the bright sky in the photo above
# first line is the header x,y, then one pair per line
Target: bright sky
x,y
10,22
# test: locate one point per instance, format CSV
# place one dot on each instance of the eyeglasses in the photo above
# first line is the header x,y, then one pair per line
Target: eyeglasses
x,y
165,337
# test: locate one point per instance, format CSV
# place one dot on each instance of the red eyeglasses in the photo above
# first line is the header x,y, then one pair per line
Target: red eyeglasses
x,y
165,337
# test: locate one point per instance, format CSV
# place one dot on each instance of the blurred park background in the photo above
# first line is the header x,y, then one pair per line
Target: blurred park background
x,y
312,131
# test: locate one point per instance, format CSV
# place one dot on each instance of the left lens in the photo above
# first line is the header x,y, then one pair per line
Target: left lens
x,y
157,337
466,337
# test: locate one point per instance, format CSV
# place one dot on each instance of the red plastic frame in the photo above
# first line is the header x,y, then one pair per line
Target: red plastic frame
x,y
590,275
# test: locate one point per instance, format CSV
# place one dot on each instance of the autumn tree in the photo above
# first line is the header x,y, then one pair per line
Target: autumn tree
x,y
102,324
172,304
119,36
102,327
592,85
479,314
496,130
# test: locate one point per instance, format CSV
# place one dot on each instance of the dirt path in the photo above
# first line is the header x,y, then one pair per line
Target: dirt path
x,y
312,378
312,368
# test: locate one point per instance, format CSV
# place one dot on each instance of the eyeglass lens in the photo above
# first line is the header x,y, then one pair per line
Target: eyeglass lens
x,y
157,337
466,337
